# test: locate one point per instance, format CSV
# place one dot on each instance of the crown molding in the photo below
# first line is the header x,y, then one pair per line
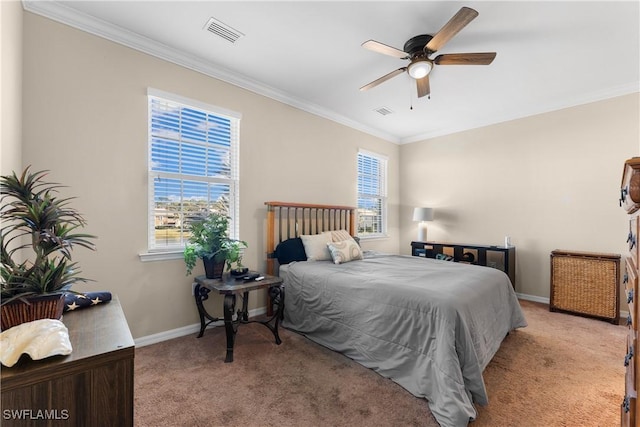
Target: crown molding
x,y
596,96
69,16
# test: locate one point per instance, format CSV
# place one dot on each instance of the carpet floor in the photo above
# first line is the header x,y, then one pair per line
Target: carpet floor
x,y
561,370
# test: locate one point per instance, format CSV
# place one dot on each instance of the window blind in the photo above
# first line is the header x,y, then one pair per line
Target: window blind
x,y
193,168
372,194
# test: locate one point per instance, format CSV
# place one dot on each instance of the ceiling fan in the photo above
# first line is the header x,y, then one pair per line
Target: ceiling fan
x,y
418,49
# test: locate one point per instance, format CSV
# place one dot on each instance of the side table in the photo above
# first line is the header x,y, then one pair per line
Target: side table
x,y
231,288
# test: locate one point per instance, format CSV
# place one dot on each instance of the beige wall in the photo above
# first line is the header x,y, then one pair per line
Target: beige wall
x,y
10,86
85,119
549,181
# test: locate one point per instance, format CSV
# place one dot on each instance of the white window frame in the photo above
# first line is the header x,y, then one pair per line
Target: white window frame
x,y
381,195
160,252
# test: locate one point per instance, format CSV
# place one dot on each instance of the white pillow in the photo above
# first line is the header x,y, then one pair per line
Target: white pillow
x,y
344,251
315,246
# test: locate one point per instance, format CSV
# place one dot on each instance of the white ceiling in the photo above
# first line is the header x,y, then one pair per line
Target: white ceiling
x,y
550,55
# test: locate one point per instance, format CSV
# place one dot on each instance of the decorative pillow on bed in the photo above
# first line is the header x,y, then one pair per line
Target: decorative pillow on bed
x,y
315,246
290,250
340,235
344,251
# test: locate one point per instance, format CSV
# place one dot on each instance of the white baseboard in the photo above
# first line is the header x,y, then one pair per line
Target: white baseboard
x,y
186,330
533,298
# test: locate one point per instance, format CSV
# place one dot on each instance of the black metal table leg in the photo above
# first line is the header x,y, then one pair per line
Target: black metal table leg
x,y
281,302
245,307
279,313
201,294
277,297
229,306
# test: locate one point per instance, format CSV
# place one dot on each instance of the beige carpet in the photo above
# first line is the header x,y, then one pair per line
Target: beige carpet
x,y
561,370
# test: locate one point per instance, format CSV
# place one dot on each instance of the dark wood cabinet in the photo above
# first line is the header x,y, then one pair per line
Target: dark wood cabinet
x,y
630,201
93,386
500,257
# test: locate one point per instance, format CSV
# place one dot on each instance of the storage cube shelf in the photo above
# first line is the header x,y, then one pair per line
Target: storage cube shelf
x,y
500,257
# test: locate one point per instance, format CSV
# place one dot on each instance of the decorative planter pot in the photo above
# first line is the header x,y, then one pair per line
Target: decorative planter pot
x,y
48,306
213,269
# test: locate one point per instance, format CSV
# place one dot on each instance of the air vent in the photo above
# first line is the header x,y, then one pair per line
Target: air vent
x,y
385,111
223,30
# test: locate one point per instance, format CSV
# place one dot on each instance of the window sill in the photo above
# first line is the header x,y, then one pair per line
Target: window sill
x,y
375,237
160,256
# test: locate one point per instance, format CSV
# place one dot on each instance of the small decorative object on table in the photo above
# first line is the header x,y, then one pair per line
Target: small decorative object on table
x,y
239,271
75,301
39,339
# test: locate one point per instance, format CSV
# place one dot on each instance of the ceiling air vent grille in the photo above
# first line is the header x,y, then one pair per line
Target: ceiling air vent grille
x,y
223,30
385,111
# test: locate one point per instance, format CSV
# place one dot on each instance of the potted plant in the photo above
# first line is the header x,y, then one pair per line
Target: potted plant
x,y
210,241
39,232
234,258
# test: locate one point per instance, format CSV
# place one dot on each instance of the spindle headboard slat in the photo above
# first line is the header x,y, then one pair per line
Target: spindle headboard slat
x,y
288,220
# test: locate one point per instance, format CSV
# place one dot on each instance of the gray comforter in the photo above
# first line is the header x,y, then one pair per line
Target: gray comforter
x,y
431,326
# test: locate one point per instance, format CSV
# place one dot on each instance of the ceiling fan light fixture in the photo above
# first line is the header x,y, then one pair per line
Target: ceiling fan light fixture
x,y
420,68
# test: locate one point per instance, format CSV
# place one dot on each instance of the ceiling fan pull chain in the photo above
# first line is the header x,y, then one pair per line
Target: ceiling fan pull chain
x,y
410,100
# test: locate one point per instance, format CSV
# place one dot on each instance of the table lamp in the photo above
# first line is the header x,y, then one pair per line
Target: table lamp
x,y
422,215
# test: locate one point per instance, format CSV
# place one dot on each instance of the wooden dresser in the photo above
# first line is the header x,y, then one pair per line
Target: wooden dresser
x,y
630,201
93,386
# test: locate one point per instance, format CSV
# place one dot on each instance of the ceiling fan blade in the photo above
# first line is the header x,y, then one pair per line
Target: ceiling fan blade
x,y
451,28
423,86
384,49
484,58
383,78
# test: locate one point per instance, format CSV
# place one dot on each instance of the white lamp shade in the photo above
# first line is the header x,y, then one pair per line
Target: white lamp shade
x,y
423,214
420,68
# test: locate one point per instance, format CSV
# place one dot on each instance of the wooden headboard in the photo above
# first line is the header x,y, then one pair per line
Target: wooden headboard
x,y
289,220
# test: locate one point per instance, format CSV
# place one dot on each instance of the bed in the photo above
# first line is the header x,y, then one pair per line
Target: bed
x,y
431,326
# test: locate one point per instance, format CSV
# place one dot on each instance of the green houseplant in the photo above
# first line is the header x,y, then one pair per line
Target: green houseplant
x,y
210,241
39,232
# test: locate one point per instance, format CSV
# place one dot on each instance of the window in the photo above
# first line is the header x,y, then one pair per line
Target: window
x,y
193,167
372,194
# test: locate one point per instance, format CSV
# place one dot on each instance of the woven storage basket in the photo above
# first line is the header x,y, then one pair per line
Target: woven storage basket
x,y
586,283
48,306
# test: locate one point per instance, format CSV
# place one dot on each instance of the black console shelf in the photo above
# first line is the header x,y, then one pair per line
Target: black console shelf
x,y
500,257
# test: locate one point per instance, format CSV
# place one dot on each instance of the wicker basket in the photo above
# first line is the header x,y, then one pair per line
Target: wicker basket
x,y
586,283
48,306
